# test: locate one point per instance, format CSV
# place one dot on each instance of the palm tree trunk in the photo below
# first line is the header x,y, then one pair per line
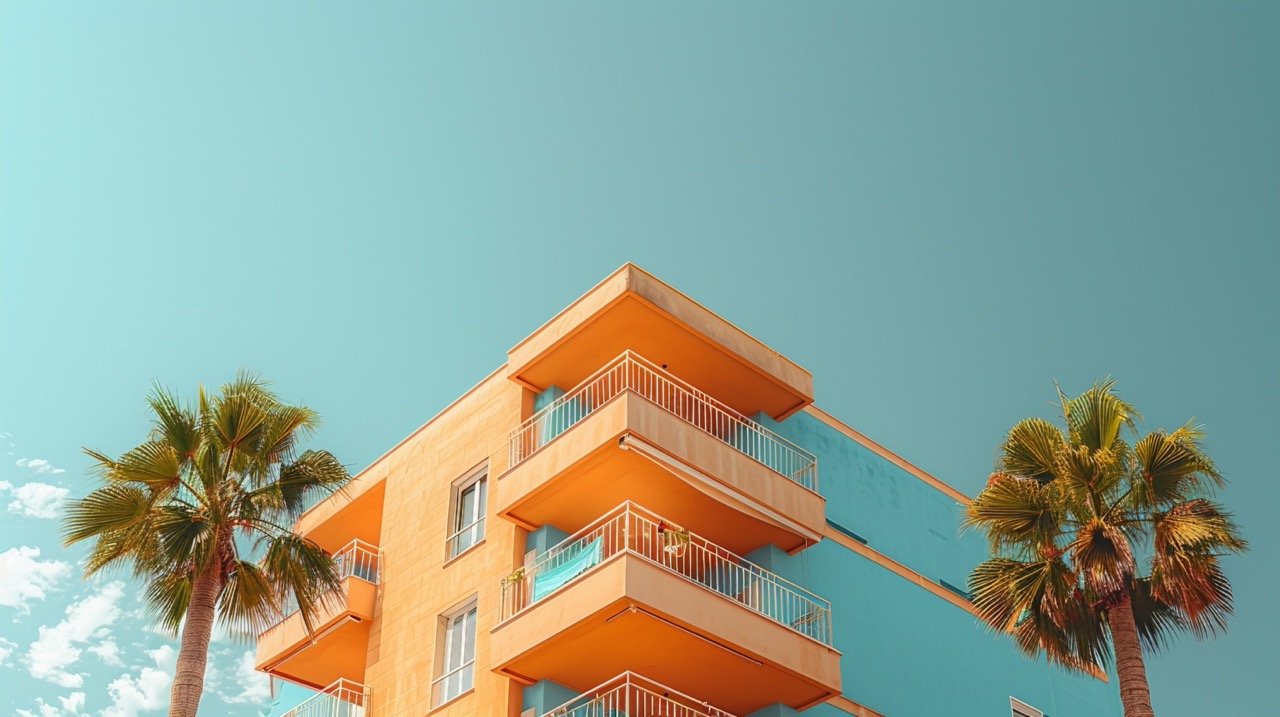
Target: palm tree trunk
x,y
188,678
1135,695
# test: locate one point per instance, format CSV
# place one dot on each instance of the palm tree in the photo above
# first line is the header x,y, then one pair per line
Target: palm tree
x,y
200,513
1072,515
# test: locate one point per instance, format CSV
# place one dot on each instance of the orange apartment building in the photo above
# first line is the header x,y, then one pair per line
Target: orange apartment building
x,y
628,517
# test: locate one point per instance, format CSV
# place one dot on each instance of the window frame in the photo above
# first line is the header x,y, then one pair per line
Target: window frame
x,y
477,478
1018,708
440,684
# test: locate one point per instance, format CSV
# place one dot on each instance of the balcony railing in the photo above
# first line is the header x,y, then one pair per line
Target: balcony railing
x,y
631,372
635,696
343,698
636,530
356,559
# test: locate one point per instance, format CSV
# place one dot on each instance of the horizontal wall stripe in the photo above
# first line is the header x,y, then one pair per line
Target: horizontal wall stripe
x,y
906,573
844,704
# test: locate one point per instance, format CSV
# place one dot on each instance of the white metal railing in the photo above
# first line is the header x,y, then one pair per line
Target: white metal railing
x,y
633,529
635,696
342,698
356,559
466,538
631,372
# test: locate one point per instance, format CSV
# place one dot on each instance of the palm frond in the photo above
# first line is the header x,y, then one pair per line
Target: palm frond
x,y
154,464
299,568
287,425
1104,558
1173,466
1197,587
109,509
187,536
1198,526
239,417
1030,449
168,595
1097,416
248,603
175,425
314,473
1015,513
1157,620
1004,589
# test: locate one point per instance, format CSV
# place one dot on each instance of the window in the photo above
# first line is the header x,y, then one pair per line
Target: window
x,y
469,502
1022,709
456,654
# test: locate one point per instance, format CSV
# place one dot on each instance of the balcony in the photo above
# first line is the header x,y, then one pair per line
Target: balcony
x,y
635,696
634,431
634,591
343,698
632,309
334,647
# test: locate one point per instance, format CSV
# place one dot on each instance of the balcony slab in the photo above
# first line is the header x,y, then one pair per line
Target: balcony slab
x,y
631,449
632,309
631,614
335,649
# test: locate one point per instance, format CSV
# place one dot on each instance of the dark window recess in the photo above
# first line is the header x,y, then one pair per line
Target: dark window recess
x,y
956,589
845,531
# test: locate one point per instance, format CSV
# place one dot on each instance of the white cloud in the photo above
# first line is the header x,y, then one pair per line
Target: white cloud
x,y
7,648
146,691
72,703
107,651
250,685
23,578
39,465
56,649
43,709
35,500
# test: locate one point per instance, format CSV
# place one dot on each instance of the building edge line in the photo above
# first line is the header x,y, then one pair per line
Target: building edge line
x,y
885,453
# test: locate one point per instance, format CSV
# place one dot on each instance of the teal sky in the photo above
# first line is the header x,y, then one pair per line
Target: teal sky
x,y
936,208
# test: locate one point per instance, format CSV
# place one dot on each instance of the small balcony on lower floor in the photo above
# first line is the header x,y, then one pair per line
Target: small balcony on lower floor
x,y
333,648
635,592
342,698
635,696
634,431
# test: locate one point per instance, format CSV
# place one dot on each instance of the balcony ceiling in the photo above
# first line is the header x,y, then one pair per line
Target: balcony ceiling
x,y
633,310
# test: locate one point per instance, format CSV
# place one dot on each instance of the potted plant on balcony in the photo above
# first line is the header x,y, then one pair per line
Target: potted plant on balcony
x,y
675,540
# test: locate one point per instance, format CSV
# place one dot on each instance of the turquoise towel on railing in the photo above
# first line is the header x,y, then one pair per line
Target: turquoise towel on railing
x,y
568,567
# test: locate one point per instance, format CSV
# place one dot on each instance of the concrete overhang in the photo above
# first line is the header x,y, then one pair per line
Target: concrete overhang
x,y
632,309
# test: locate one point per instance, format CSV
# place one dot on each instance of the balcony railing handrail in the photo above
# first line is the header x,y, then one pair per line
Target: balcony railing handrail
x,y
671,702
357,559
325,704
631,372
630,528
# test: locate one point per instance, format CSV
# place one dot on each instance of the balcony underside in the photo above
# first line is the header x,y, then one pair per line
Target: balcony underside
x,y
677,470
630,614
335,649
633,310
345,515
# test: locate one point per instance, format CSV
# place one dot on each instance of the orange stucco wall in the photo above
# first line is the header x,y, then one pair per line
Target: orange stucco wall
x,y
418,585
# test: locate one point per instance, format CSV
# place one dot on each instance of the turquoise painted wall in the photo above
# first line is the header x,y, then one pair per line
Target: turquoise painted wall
x,y
288,696
906,651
